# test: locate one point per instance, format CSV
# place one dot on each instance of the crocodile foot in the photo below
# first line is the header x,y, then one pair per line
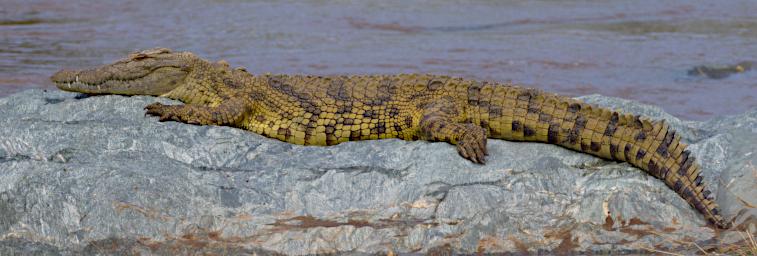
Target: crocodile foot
x,y
472,144
163,112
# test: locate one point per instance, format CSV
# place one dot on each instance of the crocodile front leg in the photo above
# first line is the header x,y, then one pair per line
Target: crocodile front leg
x,y
230,112
438,124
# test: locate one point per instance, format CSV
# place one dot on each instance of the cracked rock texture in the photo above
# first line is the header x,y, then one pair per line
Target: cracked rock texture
x,y
93,175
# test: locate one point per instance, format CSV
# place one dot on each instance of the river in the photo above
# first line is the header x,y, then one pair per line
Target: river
x,y
638,49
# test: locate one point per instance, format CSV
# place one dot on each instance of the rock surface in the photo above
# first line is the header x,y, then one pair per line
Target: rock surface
x,y
89,175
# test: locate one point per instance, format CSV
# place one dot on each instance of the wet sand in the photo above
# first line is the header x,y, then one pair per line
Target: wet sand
x,y
639,50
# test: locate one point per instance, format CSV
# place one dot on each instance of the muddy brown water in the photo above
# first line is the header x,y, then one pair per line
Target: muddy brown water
x,y
639,49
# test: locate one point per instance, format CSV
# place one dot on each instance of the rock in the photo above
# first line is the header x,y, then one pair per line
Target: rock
x,y
720,72
93,175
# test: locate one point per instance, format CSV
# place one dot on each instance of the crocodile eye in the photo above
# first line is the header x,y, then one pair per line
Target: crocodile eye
x,y
138,56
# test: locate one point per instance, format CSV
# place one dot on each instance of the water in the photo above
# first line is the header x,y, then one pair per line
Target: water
x,y
638,49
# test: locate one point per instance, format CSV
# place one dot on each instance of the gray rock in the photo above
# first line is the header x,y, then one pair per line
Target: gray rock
x,y
93,175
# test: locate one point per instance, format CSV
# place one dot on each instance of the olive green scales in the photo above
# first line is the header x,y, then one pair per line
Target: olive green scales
x,y
327,110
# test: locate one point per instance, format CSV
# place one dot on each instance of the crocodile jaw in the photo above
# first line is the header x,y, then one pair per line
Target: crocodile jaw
x,y
156,82
150,72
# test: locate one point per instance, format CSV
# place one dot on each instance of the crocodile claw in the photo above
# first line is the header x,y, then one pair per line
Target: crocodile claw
x,y
472,145
163,112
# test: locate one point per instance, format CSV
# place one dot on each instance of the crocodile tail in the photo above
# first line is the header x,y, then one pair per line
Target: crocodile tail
x,y
532,115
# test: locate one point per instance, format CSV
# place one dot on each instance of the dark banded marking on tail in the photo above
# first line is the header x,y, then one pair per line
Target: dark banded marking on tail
x,y
553,133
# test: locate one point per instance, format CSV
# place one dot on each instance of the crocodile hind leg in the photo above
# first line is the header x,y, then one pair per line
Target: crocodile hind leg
x,y
438,124
229,113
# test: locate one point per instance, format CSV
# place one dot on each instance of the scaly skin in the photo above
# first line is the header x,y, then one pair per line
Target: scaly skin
x,y
327,110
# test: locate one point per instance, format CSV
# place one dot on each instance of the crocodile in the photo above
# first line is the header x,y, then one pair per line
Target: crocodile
x,y
328,110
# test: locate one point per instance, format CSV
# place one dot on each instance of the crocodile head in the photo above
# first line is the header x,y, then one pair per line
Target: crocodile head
x,y
150,72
